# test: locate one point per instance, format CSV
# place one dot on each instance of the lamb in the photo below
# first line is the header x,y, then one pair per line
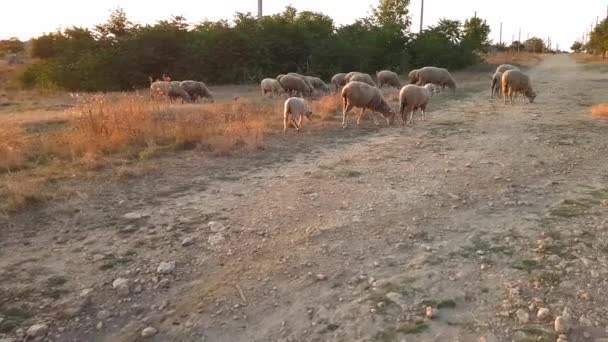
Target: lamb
x,y
172,90
515,81
270,85
438,76
294,110
196,89
413,76
364,96
338,80
504,67
496,83
295,84
318,84
412,98
387,77
365,78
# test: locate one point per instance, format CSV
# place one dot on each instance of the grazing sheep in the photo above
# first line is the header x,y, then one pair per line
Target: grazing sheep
x,y
295,84
365,78
496,83
338,80
438,76
271,85
387,77
196,90
413,76
364,96
172,90
412,98
515,81
294,110
349,76
304,78
278,78
504,67
318,84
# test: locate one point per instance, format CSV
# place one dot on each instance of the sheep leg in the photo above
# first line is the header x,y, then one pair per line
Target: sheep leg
x,y
285,123
403,114
300,118
347,108
360,116
423,108
295,124
374,114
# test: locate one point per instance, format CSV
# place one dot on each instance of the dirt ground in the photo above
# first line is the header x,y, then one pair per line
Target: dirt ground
x,y
483,215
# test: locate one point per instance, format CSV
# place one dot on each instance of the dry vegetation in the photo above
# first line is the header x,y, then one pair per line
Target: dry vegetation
x,y
600,110
585,57
513,57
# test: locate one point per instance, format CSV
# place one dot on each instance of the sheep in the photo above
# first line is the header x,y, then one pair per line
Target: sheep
x,y
168,89
196,89
304,78
412,98
413,76
295,84
438,76
295,108
270,85
496,83
338,80
364,96
365,78
387,77
278,78
349,76
515,81
318,84
504,67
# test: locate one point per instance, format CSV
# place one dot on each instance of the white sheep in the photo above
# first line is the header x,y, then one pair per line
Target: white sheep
x,y
338,80
387,77
318,84
496,83
295,109
364,96
504,67
294,84
515,81
438,76
365,78
413,97
413,76
272,86
304,78
172,90
349,76
196,90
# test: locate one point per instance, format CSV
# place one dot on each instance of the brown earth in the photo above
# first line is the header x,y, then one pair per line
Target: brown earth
x,y
485,213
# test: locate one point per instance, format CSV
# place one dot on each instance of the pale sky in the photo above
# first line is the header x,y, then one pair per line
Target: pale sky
x,y
542,18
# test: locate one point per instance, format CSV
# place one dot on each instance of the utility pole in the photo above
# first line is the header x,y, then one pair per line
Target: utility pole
x,y
260,9
500,39
519,39
421,15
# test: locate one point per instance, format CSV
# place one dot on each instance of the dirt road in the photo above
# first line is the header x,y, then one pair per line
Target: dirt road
x,y
486,213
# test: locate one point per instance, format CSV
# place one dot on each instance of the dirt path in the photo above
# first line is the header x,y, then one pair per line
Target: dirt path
x,y
485,213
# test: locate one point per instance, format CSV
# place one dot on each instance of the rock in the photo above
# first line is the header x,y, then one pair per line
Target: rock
x,y
148,332
585,322
103,314
121,285
586,334
321,276
431,312
99,326
37,330
85,292
216,227
215,241
561,325
520,336
187,241
166,267
522,316
543,314
132,216
562,338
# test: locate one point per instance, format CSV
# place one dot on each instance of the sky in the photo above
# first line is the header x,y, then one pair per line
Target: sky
x,y
543,18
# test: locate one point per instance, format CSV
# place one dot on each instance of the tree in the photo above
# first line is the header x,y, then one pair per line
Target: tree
x,y
598,39
448,28
517,46
12,45
392,12
476,34
117,25
576,46
535,45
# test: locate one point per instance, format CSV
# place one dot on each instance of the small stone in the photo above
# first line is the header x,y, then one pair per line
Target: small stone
x,y
543,314
562,338
37,330
561,325
215,241
522,316
132,216
103,314
187,241
99,325
166,267
430,312
216,227
85,292
321,276
121,285
396,298
586,334
585,322
148,332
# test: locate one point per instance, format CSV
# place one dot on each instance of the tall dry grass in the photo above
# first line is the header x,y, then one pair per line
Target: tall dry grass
x,y
513,57
586,57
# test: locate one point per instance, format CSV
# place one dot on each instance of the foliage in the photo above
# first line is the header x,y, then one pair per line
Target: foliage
x,y
576,46
598,39
11,46
121,55
535,45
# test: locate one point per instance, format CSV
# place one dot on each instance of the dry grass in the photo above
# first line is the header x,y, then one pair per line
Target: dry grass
x,y
585,57
513,57
600,110
327,107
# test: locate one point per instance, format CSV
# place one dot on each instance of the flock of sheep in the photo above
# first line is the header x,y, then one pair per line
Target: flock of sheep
x,y
358,91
